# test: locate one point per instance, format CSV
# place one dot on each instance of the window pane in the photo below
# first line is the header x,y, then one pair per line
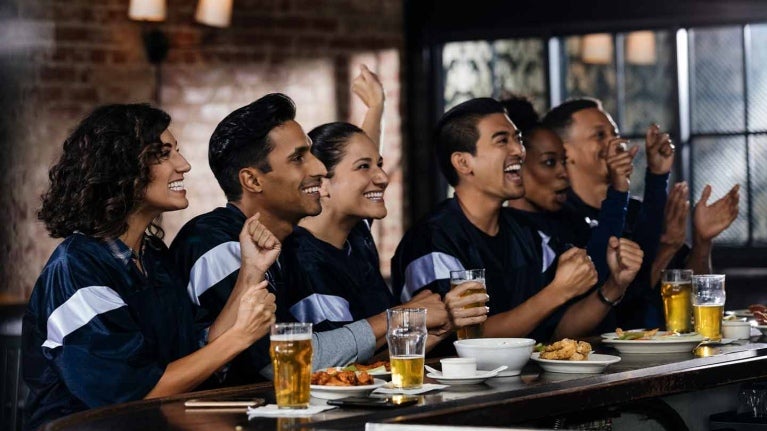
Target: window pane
x,y
520,70
590,68
758,155
757,83
716,78
721,162
468,73
650,91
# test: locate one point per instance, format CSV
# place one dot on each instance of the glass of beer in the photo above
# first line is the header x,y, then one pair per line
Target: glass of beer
x,y
708,304
406,335
291,352
676,291
456,279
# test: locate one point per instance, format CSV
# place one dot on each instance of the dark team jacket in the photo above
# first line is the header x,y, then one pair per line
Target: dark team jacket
x,y
206,253
446,240
97,331
641,306
331,287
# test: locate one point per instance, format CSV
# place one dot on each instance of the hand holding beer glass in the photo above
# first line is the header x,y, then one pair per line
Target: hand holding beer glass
x,y
676,291
406,335
708,304
477,277
291,352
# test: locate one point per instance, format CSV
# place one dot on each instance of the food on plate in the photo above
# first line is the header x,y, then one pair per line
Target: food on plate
x,y
567,350
336,377
635,335
375,367
760,313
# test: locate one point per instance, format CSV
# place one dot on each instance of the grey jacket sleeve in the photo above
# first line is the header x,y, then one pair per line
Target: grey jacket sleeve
x,y
354,342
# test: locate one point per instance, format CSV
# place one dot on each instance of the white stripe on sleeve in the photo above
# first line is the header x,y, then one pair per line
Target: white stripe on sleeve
x,y
212,267
78,310
426,269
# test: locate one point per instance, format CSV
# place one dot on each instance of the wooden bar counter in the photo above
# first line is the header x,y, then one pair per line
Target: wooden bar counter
x,y
500,402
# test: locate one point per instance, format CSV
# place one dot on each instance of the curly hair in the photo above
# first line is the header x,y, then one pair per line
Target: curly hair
x,y
103,172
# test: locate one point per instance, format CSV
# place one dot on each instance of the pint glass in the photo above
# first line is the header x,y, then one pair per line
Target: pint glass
x,y
708,304
456,279
406,334
291,352
676,291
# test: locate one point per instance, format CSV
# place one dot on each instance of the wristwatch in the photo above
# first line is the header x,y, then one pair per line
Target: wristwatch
x,y
603,298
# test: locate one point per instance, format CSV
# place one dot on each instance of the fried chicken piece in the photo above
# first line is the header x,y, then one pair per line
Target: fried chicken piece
x,y
363,378
560,350
578,357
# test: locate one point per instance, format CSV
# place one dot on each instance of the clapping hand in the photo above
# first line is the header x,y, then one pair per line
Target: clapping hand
x,y
660,150
711,220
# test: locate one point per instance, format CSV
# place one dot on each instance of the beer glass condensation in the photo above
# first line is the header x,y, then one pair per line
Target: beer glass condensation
x,y
676,291
406,335
456,279
708,298
291,352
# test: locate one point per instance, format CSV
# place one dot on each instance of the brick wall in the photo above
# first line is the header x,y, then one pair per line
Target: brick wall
x,y
59,59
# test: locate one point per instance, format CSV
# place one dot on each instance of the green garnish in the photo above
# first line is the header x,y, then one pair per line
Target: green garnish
x,y
539,347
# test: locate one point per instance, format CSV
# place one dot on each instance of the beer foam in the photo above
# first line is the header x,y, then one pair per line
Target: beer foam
x,y
290,337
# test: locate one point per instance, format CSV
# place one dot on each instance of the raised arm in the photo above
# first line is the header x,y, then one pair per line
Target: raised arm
x,y
369,89
675,230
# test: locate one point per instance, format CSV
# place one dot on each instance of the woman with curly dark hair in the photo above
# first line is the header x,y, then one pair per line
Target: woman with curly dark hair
x,y
108,320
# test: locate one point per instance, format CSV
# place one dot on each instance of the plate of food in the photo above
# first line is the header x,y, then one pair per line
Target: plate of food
x,y
379,369
335,383
594,363
740,313
651,341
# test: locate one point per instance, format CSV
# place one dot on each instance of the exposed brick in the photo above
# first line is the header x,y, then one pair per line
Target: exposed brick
x,y
57,74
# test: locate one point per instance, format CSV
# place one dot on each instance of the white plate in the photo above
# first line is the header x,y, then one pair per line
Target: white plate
x,y
594,365
335,392
740,313
479,377
658,344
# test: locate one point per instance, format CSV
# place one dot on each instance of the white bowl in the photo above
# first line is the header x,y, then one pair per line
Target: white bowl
x,y
458,367
736,330
491,353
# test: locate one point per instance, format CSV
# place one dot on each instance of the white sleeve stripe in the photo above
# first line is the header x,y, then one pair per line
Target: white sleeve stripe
x,y
427,269
317,308
549,256
212,267
78,310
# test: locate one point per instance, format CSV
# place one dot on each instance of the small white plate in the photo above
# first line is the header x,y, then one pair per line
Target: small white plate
x,y
595,364
660,343
478,377
335,392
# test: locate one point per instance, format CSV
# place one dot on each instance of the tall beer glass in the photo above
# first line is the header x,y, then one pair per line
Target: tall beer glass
x,y
406,334
291,352
708,304
456,279
676,291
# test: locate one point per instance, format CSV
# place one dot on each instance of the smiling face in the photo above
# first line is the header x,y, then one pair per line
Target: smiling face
x,y
544,172
358,182
291,190
586,143
495,168
165,191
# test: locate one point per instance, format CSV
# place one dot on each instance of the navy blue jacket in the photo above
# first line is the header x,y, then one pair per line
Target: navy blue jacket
x,y
97,331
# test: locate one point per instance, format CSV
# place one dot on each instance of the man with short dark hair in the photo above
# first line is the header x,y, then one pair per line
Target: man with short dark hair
x,y
480,152
261,159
